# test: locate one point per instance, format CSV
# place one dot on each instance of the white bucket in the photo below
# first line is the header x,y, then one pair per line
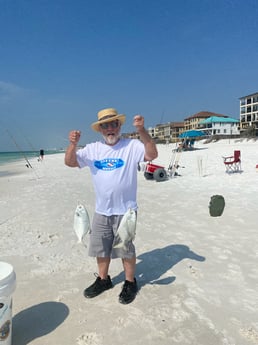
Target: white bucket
x,y
7,287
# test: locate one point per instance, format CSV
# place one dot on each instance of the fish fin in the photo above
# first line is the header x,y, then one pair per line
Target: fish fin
x,y
118,245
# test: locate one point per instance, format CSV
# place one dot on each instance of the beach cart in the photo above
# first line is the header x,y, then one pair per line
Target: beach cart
x,y
155,172
160,173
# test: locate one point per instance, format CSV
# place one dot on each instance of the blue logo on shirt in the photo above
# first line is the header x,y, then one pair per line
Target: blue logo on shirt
x,y
109,164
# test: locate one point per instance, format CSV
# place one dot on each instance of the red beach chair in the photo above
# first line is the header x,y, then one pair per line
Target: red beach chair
x,y
233,163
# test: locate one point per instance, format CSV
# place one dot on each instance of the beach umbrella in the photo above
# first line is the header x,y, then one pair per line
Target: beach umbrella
x,y
192,134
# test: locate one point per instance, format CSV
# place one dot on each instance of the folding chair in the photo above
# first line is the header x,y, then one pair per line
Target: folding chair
x,y
233,163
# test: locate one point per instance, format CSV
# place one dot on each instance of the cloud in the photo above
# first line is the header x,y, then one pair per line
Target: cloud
x,y
10,92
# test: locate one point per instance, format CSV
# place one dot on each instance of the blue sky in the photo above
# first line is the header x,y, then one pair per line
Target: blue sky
x,y
63,60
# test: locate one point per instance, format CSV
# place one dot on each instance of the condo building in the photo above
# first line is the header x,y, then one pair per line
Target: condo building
x,y
249,114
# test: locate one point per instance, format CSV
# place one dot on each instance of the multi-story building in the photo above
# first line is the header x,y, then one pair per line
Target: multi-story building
x,y
167,132
192,122
176,129
220,126
133,135
249,115
153,131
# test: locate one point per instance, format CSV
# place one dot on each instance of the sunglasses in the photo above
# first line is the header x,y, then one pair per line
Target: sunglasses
x,y
112,124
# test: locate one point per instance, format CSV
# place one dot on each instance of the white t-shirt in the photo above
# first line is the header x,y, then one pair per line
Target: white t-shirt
x,y
114,173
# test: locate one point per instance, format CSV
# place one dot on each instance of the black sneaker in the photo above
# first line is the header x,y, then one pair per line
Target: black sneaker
x,y
129,292
99,286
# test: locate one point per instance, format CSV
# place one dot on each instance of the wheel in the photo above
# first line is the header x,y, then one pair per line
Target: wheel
x,y
148,176
160,175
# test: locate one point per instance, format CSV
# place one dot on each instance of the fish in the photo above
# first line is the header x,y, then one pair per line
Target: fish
x,y
126,231
81,223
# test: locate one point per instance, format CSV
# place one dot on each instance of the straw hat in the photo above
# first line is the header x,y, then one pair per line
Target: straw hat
x,y
107,115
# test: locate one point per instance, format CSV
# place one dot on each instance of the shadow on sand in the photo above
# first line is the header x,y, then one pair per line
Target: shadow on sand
x,y
36,321
157,262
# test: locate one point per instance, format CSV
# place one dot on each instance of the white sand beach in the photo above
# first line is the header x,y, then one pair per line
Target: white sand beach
x,y
198,275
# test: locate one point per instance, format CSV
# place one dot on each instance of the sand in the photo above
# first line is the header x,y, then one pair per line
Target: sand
x,y
197,274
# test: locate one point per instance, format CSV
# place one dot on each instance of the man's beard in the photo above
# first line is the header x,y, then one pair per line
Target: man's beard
x,y
111,139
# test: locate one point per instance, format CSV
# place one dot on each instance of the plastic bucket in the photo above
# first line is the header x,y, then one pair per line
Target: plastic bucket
x,y
7,287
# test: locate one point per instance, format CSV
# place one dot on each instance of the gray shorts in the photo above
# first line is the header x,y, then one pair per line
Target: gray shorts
x,y
102,235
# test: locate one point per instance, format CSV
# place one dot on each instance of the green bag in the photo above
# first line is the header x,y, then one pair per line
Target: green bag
x,y
217,204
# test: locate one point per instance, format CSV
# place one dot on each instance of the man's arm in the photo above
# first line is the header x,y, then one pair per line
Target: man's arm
x,y
70,154
151,151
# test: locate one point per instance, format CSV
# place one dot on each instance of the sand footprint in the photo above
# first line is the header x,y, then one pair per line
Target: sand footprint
x,y
89,339
250,333
195,272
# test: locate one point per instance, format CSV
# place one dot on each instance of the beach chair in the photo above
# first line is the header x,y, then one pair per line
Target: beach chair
x,y
233,163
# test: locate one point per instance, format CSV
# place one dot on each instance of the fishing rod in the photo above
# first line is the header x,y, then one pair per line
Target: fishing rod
x,y
19,148
28,165
31,146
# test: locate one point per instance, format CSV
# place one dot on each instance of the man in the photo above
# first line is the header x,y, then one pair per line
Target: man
x,y
41,154
113,164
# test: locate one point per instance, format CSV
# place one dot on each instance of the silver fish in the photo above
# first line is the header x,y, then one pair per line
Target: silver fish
x,y
126,230
81,224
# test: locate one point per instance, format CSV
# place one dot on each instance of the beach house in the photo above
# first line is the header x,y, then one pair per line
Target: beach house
x,y
220,126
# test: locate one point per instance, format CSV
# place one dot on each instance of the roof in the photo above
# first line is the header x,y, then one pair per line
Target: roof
x,y
204,115
216,119
177,124
252,94
171,124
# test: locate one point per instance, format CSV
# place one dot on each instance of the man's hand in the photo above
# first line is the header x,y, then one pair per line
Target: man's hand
x,y
138,122
74,137
70,154
149,144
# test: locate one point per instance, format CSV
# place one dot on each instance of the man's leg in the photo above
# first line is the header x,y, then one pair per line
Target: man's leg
x,y
103,281
103,266
129,268
129,290
101,239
